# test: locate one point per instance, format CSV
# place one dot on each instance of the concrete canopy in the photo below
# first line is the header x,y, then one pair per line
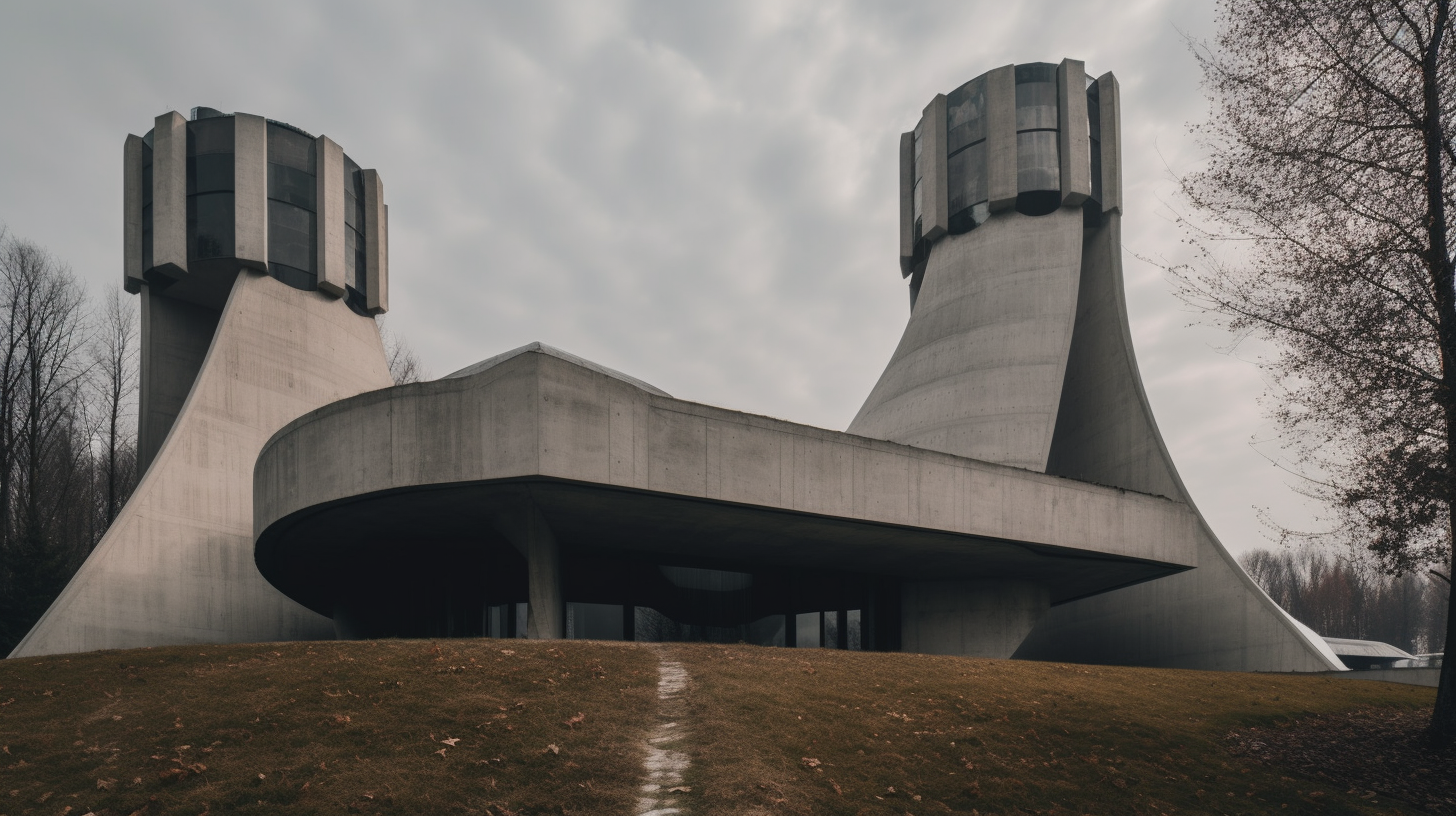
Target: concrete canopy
x,y
431,467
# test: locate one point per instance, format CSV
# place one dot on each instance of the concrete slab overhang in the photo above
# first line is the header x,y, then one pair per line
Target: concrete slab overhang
x,y
427,467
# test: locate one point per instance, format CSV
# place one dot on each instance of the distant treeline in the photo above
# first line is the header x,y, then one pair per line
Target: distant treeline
x,y
1346,598
67,426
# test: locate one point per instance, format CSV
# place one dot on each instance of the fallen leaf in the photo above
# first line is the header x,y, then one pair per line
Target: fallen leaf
x,y
441,752
577,720
680,789
553,748
105,784
811,762
450,742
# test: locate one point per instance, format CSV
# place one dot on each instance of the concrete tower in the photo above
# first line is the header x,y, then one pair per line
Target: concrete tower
x,y
260,254
1018,352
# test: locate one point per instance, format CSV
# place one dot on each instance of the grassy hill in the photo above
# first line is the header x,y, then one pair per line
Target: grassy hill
x,y
522,727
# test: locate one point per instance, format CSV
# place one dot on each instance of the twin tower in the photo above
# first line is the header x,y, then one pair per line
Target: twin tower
x,y
1002,492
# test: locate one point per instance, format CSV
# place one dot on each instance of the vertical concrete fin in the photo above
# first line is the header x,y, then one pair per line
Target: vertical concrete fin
x,y
525,527
907,201
131,209
934,189
250,190
376,237
1110,108
1072,139
1001,137
169,195
329,199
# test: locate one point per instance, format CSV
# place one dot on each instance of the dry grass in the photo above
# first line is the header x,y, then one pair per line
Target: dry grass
x,y
341,727
828,732
327,727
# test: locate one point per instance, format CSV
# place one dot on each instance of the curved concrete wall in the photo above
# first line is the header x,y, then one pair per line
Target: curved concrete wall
x,y
978,372
177,564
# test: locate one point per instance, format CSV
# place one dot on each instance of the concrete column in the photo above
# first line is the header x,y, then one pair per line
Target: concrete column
x,y
934,189
907,201
250,190
1072,140
1110,106
526,529
169,195
329,199
970,618
1001,138
376,238
131,209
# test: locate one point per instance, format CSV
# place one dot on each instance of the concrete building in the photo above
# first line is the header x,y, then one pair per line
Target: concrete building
x,y
1002,492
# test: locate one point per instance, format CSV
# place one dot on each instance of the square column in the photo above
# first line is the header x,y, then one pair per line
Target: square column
x,y
250,190
169,195
329,199
1076,169
526,529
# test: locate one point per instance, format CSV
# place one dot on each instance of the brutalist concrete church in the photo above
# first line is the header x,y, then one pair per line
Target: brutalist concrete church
x,y
1003,491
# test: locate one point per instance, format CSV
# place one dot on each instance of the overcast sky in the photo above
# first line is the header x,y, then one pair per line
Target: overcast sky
x,y
701,195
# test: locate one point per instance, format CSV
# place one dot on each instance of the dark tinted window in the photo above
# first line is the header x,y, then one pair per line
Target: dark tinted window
x,y
966,177
290,148
290,236
1037,165
1036,105
291,185
1036,72
210,136
210,226
210,173
965,113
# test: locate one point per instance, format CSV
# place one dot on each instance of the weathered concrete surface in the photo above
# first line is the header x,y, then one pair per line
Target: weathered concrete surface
x,y
175,336
978,372
934,174
612,465
1072,146
329,198
1001,137
971,618
177,565
131,209
1414,676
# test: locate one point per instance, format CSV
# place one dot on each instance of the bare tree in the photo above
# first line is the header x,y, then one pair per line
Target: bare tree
x,y
44,444
404,364
1322,225
114,365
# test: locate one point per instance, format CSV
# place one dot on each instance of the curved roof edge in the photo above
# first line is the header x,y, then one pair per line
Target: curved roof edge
x,y
541,348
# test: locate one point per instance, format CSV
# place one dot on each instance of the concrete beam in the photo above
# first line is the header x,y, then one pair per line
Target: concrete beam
x,y
376,239
169,195
329,199
934,191
131,209
1001,137
907,201
526,528
1110,105
250,190
1072,140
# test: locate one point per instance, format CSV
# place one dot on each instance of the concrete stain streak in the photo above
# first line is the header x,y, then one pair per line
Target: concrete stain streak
x,y
664,765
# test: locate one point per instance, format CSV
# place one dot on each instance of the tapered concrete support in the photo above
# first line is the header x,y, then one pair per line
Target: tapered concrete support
x,y
131,208
969,618
169,195
528,532
250,190
1072,142
376,236
935,200
979,369
1001,138
329,198
177,564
